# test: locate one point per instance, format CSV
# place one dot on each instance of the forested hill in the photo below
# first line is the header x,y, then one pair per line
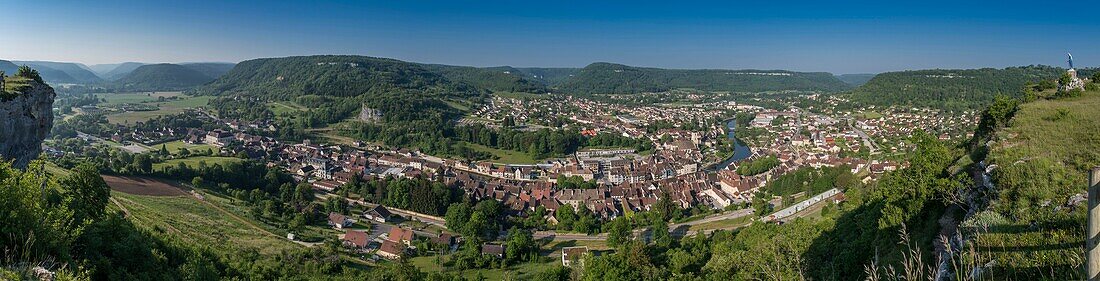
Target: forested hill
x,y
951,89
334,76
609,78
159,77
551,76
496,79
116,72
210,69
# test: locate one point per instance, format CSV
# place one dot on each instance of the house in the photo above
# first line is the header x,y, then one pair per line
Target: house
x,y
445,240
495,250
218,138
338,221
378,214
355,239
391,250
573,255
401,235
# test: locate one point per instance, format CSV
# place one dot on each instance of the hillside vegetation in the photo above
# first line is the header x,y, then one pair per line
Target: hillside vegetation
x,y
161,77
496,79
609,78
950,89
1032,228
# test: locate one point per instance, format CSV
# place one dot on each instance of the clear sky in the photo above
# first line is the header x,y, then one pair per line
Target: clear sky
x,y
850,37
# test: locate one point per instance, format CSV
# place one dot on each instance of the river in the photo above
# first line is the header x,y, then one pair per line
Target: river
x,y
740,151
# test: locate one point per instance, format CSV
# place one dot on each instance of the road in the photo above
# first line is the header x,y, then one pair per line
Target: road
x,y
429,219
678,230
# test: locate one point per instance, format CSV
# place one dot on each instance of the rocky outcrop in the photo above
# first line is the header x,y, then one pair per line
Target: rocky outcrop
x,y
25,120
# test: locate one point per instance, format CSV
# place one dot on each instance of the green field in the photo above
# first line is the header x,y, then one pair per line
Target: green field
x,y
121,98
869,115
196,223
504,156
722,224
524,271
285,107
174,147
194,161
165,108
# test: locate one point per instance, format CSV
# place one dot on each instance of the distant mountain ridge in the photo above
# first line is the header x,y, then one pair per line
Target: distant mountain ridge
x,y
74,73
112,72
610,78
8,67
950,89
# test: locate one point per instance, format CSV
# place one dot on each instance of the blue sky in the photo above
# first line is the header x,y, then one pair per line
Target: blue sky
x,y
849,37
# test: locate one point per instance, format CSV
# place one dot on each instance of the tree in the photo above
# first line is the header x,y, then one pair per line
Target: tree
x,y
197,182
86,194
143,163
565,216
520,246
26,72
457,216
618,231
661,238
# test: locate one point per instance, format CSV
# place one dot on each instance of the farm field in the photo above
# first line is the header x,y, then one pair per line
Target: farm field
x,y
197,223
142,186
164,107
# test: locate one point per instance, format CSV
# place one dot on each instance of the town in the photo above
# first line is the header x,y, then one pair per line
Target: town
x,y
693,162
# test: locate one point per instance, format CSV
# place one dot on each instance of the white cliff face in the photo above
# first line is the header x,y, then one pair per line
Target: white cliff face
x,y
25,121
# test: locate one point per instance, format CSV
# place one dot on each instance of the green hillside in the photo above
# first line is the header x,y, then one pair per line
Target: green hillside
x,y
78,73
549,75
211,69
161,77
951,89
496,79
609,78
855,80
1031,228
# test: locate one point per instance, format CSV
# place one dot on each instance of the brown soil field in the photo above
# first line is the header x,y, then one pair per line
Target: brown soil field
x,y
143,186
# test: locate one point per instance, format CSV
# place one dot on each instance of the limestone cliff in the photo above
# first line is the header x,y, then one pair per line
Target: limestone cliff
x,y
26,117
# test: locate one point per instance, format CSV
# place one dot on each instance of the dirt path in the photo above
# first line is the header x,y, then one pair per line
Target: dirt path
x,y
125,211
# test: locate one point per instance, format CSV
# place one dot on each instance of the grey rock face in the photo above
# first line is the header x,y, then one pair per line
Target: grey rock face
x,y
25,121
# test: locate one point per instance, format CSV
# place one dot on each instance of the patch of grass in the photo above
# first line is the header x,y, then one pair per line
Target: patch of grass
x,y
174,147
196,223
722,224
1042,160
285,107
869,115
504,156
194,161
